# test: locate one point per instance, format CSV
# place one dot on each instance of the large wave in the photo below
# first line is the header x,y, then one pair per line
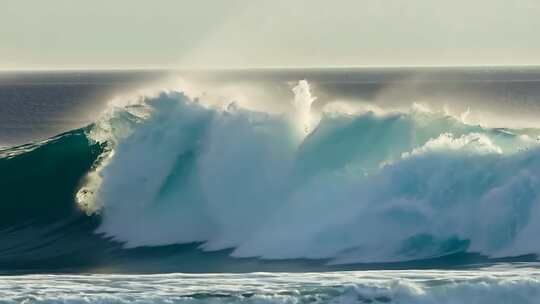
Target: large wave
x,y
344,188
354,188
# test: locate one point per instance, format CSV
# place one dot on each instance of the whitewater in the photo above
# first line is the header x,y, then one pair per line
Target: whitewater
x,y
349,188
499,284
180,194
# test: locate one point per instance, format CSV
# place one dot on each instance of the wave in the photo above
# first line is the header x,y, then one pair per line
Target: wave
x,y
169,179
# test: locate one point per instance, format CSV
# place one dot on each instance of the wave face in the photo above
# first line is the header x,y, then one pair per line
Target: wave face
x,y
171,181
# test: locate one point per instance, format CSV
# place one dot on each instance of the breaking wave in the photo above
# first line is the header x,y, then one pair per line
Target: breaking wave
x,y
156,176
487,285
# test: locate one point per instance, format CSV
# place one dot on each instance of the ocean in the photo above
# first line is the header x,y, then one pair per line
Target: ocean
x,y
380,185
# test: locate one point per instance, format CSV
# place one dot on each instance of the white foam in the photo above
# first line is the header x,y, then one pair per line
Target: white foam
x,y
236,178
471,143
485,285
303,117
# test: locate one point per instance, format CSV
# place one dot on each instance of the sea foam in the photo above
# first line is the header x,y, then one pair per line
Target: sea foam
x,y
361,187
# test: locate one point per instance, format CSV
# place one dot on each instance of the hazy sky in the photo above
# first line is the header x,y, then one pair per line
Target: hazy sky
x,y
256,33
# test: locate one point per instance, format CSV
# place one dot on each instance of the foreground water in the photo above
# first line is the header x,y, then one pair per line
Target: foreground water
x,y
495,284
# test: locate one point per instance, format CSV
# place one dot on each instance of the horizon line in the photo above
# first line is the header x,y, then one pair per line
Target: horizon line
x,y
195,69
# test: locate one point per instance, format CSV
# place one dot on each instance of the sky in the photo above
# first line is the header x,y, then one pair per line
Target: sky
x,y
64,34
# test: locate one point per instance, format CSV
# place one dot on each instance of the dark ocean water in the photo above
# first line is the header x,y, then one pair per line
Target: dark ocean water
x,y
348,185
38,105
